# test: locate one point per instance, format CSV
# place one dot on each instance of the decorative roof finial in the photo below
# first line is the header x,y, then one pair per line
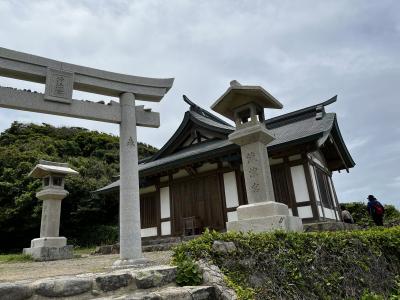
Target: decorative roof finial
x,y
235,83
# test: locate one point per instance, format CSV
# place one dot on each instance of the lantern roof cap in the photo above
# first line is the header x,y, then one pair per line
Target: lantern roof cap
x,y
45,168
238,95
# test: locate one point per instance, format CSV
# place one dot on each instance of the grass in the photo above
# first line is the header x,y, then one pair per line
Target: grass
x,y
19,257
83,250
12,258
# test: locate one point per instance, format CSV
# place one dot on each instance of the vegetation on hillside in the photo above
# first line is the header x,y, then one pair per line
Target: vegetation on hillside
x,y
85,220
361,217
361,264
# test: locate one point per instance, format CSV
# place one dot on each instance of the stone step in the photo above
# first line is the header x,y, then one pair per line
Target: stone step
x,y
164,240
89,286
159,247
168,293
148,245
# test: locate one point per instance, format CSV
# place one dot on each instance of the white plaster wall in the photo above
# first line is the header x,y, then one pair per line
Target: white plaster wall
x,y
275,161
329,213
321,214
146,232
181,173
230,187
164,178
314,183
295,157
165,202
232,216
166,228
148,189
305,212
332,192
299,184
207,167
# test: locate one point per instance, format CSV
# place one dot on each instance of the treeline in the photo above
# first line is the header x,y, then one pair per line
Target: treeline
x,y
95,155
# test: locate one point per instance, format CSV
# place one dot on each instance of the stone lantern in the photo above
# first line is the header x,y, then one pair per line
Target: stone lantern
x,y
50,246
245,106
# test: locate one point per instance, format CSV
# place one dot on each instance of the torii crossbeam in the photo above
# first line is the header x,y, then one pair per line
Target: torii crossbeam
x,y
60,80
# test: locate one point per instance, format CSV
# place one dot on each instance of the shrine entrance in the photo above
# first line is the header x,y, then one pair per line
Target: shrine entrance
x,y
60,80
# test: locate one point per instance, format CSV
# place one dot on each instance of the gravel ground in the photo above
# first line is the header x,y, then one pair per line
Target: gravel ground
x,y
85,264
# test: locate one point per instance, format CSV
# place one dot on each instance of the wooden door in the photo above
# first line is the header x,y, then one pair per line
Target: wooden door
x,y
198,197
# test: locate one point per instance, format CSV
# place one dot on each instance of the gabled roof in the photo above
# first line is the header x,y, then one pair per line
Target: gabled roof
x,y
198,116
308,125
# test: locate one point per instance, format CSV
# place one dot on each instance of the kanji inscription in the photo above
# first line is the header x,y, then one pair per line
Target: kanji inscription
x,y
59,86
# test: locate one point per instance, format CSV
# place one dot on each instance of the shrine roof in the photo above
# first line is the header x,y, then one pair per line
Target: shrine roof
x,y
307,125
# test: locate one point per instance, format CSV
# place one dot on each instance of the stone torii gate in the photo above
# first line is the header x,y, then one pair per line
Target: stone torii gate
x,y
60,80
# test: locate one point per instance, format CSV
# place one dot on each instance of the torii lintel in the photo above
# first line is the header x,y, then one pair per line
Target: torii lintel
x,y
62,78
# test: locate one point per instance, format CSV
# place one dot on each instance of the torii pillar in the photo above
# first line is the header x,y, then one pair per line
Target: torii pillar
x,y
61,79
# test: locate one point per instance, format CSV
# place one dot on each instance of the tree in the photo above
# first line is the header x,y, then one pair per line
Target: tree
x,y
95,155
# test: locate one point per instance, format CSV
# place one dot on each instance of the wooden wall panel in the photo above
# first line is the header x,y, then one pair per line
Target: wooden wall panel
x,y
198,196
148,210
282,185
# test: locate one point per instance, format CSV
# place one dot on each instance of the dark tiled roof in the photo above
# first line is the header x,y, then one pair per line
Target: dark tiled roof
x,y
293,128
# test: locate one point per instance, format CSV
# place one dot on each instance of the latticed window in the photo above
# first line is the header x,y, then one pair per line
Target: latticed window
x,y
280,182
323,187
148,210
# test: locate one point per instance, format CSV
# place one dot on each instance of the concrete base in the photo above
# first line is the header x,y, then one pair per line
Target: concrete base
x,y
130,263
50,248
264,216
50,253
51,242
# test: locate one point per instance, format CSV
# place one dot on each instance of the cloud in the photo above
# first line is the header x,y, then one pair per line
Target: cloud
x,y
303,52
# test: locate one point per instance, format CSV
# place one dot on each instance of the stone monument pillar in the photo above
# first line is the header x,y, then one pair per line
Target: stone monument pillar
x,y
50,246
245,105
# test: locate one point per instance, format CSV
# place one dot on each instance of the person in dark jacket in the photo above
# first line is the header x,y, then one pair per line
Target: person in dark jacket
x,y
375,210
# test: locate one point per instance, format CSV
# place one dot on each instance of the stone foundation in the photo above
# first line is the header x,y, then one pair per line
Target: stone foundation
x,y
329,226
49,248
50,253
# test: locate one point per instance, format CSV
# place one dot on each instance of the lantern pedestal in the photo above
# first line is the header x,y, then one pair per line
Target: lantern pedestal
x,y
49,248
264,216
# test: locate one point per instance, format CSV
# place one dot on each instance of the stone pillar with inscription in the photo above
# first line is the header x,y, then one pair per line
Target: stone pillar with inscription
x,y
245,105
129,203
50,246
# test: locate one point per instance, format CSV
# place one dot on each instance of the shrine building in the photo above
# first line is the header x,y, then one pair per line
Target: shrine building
x,y
195,181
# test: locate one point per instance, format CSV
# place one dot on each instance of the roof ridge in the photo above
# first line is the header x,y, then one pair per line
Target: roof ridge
x,y
201,111
300,113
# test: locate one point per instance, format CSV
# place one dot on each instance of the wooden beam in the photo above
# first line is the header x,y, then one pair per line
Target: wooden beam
x,y
340,154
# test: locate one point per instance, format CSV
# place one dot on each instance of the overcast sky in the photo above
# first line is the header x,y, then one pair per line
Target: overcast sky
x,y
302,52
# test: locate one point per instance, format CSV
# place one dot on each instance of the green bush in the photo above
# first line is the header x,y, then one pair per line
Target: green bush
x,y
324,265
188,273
